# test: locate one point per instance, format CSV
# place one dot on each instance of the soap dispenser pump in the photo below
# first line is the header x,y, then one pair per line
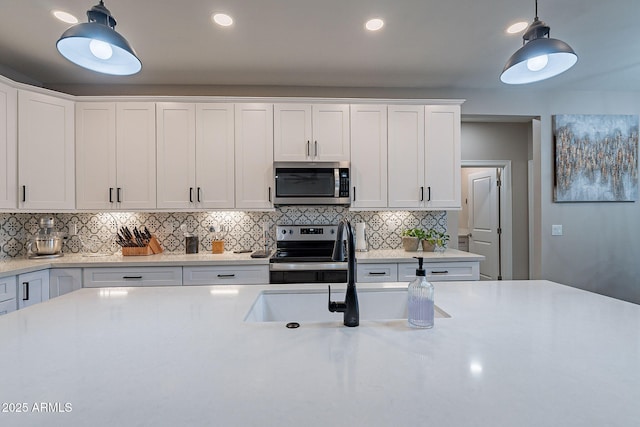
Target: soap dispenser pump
x,y
420,303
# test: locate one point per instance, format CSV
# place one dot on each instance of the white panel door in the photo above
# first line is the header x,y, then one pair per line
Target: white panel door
x,y
442,157
483,221
95,155
176,145
254,156
46,165
292,132
369,156
136,155
406,156
215,169
330,132
8,147
64,280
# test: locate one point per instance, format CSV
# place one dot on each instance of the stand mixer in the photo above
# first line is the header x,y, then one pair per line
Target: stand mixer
x,y
48,242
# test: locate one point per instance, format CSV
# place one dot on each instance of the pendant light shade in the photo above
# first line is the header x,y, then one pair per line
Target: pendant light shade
x,y
540,57
97,46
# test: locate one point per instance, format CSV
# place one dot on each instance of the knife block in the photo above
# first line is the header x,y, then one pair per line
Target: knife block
x,y
152,248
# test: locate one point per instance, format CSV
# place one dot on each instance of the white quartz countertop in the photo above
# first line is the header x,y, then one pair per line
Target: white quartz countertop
x,y
528,353
23,265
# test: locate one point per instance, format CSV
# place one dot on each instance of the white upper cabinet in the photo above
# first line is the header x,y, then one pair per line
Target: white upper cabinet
x,y
442,161
406,156
305,132
8,147
176,145
116,153
424,157
369,156
254,156
195,155
46,169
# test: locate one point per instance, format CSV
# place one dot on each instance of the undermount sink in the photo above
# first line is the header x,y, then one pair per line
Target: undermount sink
x,y
311,306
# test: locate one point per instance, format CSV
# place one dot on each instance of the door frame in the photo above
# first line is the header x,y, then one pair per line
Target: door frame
x,y
506,211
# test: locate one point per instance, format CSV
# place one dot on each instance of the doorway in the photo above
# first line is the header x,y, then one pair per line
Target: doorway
x,y
485,221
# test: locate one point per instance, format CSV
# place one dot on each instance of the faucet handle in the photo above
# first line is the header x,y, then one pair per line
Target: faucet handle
x,y
334,306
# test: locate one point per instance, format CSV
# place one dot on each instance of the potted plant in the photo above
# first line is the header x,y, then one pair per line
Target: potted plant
x,y
411,238
435,241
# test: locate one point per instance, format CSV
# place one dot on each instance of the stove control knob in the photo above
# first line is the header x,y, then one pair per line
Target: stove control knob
x,y
333,231
290,231
284,231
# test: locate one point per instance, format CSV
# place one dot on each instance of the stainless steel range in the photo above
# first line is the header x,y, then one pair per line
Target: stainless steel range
x,y
303,255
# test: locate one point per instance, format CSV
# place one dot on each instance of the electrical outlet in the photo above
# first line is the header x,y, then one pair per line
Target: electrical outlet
x,y
556,230
73,229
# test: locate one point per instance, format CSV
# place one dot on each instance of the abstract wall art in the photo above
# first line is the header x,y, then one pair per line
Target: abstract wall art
x,y
596,158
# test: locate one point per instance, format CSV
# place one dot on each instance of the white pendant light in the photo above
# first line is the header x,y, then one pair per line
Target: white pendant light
x,y
97,46
540,57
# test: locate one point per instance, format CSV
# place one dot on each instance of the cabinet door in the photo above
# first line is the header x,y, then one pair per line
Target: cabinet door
x,y
46,167
369,156
442,157
8,147
95,155
406,156
64,280
292,132
214,158
33,288
254,155
330,132
136,155
8,288
176,145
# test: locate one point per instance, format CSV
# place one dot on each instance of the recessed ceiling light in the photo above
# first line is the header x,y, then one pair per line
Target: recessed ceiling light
x,y
374,24
517,27
222,19
64,16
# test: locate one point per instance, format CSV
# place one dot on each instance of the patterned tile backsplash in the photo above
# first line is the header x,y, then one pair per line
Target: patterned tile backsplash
x,y
242,230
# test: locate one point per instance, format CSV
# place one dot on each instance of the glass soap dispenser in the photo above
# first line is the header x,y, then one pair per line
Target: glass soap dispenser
x,y
420,295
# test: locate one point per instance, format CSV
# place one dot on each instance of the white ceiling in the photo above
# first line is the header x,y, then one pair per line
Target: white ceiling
x,y
425,43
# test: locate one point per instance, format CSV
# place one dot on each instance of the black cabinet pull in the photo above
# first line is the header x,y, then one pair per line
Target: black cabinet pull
x,y
354,193
315,143
198,194
226,276
440,272
421,194
308,153
25,297
190,194
110,194
269,194
24,193
118,194
132,277
377,273
428,194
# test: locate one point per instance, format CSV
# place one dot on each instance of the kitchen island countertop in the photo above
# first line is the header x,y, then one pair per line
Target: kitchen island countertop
x,y
513,353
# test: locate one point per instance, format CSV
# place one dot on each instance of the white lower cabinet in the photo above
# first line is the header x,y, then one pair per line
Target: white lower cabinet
x,y
226,275
441,271
8,295
33,288
131,276
64,280
374,273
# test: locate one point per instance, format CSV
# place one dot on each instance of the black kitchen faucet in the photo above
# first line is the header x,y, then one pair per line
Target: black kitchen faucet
x,y
350,304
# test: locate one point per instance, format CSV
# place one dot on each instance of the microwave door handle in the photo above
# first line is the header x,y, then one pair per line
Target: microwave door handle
x,y
336,180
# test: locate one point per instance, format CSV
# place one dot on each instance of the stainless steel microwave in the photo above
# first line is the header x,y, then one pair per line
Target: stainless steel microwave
x,y
316,183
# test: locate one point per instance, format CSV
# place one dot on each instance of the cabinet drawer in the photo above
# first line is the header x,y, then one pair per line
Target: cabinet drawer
x,y
441,272
132,276
226,275
8,288
371,273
